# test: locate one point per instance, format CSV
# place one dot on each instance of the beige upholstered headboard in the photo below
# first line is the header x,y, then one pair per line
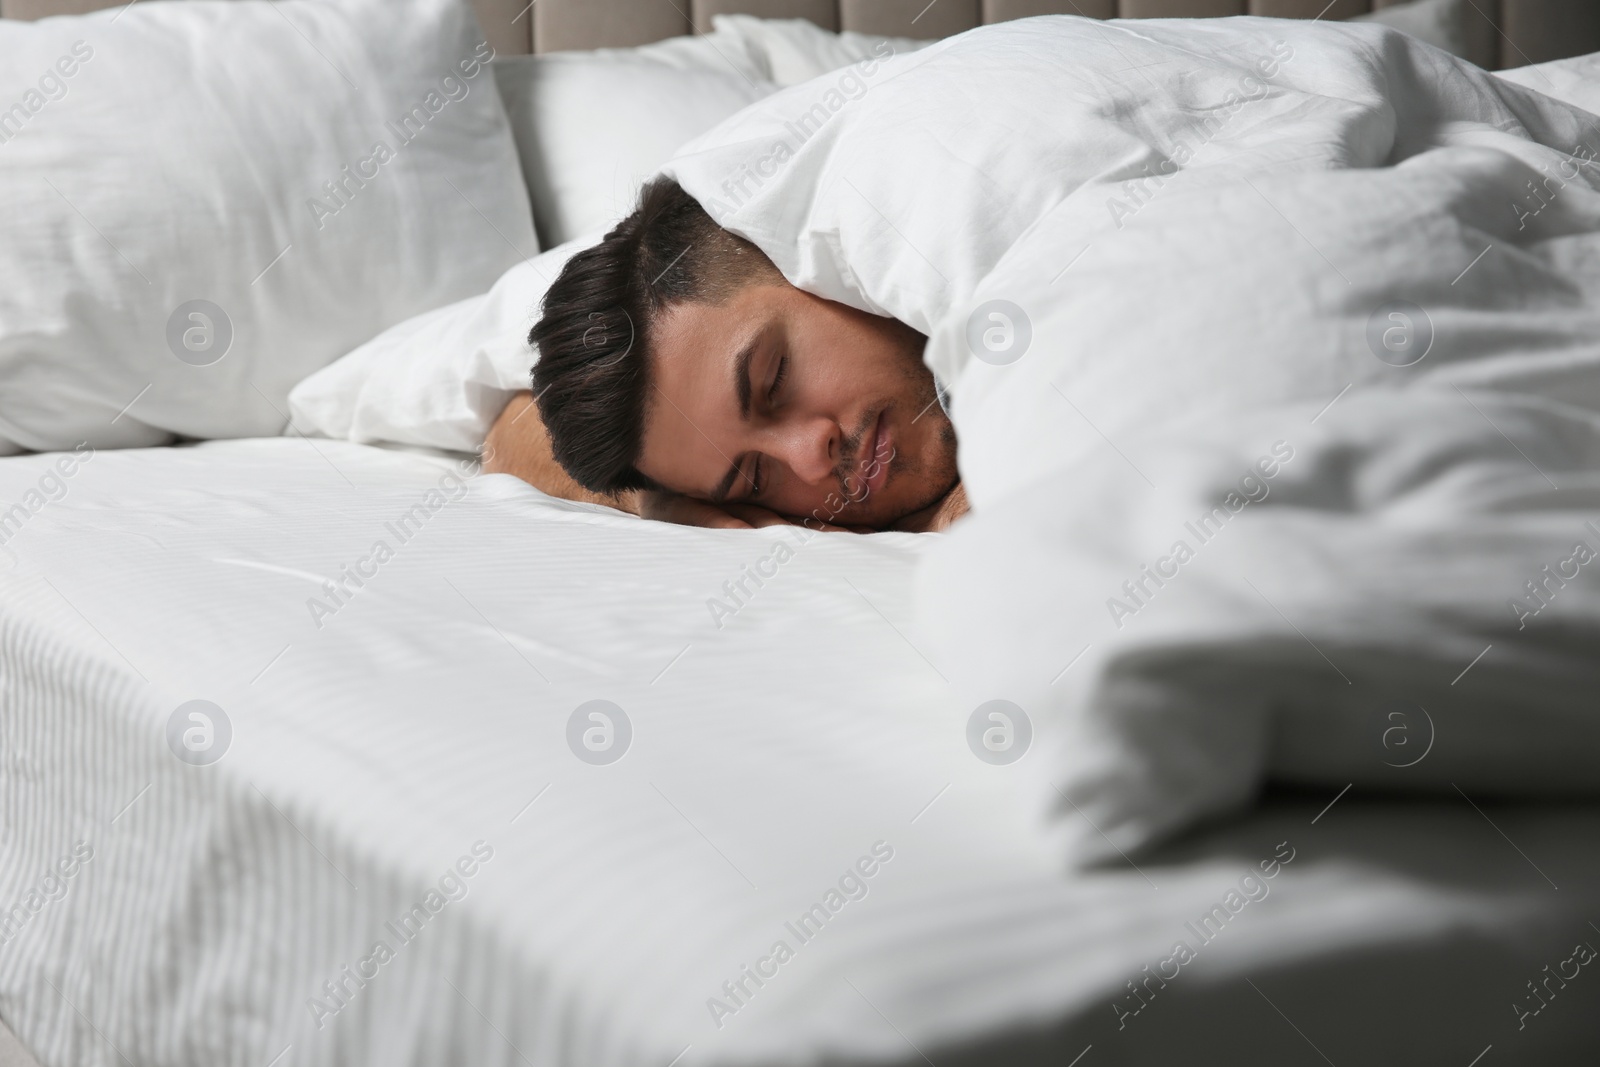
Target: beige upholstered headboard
x,y
1507,33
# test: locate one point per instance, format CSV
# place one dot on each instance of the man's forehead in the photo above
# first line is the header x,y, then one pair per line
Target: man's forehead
x,y
694,353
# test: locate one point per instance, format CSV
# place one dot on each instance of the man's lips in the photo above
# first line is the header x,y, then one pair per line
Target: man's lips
x,y
873,470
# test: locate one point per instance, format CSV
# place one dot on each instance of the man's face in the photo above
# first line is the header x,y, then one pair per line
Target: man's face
x,y
797,404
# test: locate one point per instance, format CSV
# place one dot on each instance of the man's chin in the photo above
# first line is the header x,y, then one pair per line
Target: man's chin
x,y
849,518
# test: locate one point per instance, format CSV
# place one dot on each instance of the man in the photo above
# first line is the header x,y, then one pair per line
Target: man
x,y
680,377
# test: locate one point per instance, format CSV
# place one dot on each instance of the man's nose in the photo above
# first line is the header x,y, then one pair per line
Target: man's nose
x,y
810,449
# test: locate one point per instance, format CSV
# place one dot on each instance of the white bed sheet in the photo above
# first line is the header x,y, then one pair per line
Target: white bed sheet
x,y
428,713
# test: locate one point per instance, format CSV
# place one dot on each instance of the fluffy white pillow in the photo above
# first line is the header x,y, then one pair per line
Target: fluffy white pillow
x,y
207,201
442,378
592,126
797,50
725,53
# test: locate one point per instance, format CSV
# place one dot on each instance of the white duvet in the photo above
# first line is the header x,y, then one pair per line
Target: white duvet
x,y
1276,361
399,766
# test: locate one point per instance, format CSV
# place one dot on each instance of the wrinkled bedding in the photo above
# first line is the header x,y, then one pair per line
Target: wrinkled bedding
x,y
407,744
1360,527
1327,287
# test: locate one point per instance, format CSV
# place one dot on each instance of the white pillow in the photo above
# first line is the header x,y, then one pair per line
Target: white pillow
x,y
1441,23
797,50
166,267
725,53
442,378
592,126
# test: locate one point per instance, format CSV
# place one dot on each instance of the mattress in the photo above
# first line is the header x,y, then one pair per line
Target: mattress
x,y
399,828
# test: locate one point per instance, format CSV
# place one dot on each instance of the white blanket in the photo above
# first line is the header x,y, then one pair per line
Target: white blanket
x,y
413,748
1153,255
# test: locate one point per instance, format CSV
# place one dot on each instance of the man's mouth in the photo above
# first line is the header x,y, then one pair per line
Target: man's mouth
x,y
872,470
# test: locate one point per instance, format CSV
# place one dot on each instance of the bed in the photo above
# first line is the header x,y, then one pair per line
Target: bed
x,y
620,898
320,752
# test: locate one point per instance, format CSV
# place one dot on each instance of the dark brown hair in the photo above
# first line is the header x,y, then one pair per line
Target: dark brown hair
x,y
593,370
